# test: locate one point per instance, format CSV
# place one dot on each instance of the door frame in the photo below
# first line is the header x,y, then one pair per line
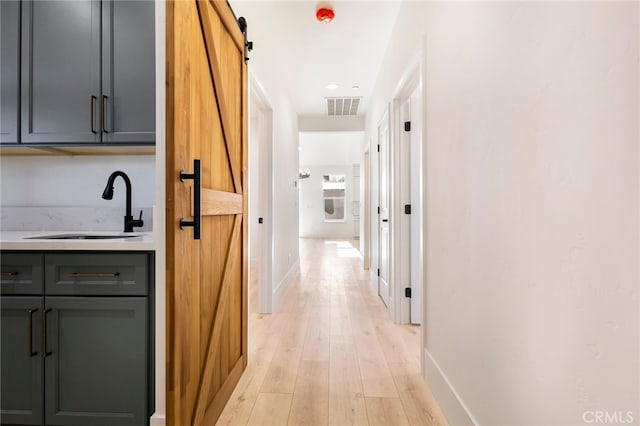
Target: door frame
x,y
158,418
265,138
409,81
416,68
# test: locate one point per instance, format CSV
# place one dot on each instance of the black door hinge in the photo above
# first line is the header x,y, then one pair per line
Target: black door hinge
x,y
378,147
407,209
378,209
407,126
407,292
259,220
378,271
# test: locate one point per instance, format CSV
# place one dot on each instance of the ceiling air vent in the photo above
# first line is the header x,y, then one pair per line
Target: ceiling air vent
x,y
342,106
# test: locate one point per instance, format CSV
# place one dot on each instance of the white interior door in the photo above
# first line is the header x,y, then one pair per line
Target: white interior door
x,y
416,206
255,208
261,181
366,211
383,217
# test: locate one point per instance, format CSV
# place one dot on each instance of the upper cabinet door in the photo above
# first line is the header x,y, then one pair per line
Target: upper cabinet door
x,y
128,72
60,72
9,70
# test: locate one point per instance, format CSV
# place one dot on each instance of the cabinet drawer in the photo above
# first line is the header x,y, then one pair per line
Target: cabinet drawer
x,y
21,273
91,274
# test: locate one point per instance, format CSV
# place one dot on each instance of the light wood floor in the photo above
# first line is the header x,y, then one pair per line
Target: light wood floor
x,y
330,354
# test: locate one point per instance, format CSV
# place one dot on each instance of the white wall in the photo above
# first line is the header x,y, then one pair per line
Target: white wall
x,y
312,224
323,153
532,206
285,154
325,123
74,181
327,147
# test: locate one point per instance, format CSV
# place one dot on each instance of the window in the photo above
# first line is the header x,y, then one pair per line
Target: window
x,y
333,194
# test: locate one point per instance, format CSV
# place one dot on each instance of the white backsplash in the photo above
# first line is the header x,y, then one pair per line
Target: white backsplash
x,y
71,218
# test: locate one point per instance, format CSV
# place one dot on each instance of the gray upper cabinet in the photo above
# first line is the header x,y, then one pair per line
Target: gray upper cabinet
x,y
128,70
88,72
9,71
60,71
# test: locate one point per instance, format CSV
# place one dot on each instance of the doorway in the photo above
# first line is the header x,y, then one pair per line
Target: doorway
x,y
408,208
260,200
411,188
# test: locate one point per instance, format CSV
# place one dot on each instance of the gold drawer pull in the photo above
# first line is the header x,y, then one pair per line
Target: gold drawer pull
x,y
79,275
8,274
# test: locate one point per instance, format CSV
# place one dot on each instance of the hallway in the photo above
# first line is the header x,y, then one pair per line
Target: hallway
x,y
330,353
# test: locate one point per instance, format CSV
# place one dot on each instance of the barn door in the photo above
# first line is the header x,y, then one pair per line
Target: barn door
x,y
206,107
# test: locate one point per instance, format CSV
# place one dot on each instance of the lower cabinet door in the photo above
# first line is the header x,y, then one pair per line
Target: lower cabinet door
x,y
96,362
21,360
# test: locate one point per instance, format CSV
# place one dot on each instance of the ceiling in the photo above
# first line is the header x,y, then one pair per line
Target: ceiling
x,y
303,55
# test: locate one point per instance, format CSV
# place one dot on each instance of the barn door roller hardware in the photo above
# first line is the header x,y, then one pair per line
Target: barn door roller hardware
x,y
248,45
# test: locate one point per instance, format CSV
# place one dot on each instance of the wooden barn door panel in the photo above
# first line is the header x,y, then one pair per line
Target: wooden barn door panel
x,y
206,277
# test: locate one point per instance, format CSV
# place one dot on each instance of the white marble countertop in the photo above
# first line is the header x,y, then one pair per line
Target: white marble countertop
x,y
20,240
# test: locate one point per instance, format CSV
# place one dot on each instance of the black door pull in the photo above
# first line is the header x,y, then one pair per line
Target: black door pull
x,y
197,189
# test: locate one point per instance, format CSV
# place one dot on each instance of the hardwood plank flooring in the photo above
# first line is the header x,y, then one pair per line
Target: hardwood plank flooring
x,y
330,354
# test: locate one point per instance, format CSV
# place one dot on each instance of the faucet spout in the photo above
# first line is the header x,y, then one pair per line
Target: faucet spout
x,y
107,194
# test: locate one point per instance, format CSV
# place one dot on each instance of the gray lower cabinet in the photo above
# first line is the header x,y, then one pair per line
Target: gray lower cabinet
x,y
87,72
21,398
75,345
96,365
9,71
22,273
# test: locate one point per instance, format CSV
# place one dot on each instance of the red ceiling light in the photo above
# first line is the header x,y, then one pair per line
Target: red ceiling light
x,y
325,15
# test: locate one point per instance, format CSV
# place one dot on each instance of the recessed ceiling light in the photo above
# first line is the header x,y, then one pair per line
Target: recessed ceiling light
x,y
355,87
332,86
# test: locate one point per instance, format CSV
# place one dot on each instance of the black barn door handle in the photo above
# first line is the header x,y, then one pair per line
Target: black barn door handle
x,y
197,190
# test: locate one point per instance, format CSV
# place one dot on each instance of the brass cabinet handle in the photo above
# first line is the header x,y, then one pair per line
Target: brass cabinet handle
x,y
8,274
97,275
93,101
44,333
102,120
30,325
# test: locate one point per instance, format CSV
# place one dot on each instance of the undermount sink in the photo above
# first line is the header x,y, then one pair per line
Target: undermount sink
x,y
80,237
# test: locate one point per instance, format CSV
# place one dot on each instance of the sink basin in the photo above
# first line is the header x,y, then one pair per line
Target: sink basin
x,y
81,237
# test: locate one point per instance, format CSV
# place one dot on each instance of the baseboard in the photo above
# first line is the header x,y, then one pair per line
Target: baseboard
x,y
454,409
158,420
284,283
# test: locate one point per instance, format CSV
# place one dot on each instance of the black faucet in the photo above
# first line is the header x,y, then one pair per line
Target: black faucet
x,y
129,221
